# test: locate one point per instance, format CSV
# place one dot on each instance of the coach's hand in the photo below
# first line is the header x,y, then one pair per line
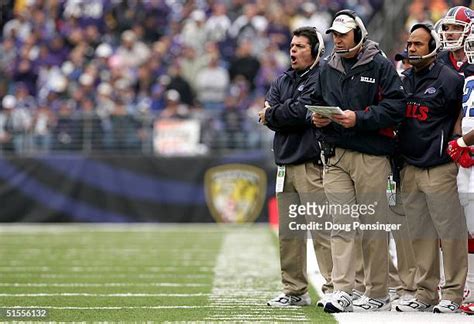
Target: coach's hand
x,y
319,120
261,114
456,148
346,120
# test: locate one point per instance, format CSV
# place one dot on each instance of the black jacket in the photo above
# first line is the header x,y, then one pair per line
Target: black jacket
x,y
371,88
295,136
434,102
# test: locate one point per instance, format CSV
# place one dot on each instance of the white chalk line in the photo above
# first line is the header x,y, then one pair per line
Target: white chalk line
x,y
247,272
126,307
101,269
109,275
109,284
101,295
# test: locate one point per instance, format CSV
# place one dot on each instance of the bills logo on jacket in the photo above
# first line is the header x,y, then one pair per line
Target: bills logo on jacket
x,y
417,111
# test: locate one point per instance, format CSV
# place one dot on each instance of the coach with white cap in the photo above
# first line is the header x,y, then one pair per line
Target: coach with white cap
x,y
356,146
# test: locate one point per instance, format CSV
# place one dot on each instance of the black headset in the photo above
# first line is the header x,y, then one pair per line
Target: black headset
x,y
434,45
360,33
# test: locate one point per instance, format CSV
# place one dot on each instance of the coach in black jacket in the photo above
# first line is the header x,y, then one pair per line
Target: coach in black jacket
x,y
297,154
365,85
428,180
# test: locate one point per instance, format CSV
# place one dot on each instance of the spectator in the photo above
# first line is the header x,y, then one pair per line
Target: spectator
x,y
124,129
194,33
244,64
178,83
43,124
212,85
19,27
6,125
218,24
173,108
66,131
90,128
21,120
248,25
132,52
191,64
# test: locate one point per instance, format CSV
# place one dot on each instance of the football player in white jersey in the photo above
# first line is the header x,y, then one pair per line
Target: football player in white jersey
x,y
462,151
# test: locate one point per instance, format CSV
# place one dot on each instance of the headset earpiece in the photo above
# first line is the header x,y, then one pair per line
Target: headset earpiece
x,y
432,44
357,35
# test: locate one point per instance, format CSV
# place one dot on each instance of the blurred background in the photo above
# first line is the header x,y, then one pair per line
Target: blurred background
x,y
121,111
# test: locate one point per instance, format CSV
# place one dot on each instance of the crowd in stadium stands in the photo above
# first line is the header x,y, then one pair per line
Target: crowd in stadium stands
x,y
94,75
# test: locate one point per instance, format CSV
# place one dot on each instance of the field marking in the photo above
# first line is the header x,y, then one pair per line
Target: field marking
x,y
247,272
99,269
121,227
110,275
101,295
109,284
291,308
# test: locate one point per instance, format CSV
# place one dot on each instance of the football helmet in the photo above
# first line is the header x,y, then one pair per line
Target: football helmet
x,y
469,46
458,16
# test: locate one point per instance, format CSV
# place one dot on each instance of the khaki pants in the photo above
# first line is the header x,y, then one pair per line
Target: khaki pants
x,y
355,179
303,184
401,276
406,265
433,212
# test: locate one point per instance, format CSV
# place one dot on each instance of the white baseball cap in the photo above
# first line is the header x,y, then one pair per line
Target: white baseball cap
x,y
342,24
9,102
104,50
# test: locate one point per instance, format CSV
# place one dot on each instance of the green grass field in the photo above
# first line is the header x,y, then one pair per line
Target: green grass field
x,y
207,273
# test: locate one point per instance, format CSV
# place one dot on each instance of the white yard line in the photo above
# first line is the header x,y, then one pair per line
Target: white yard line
x,y
109,275
392,317
101,295
108,284
17,269
247,272
112,227
243,308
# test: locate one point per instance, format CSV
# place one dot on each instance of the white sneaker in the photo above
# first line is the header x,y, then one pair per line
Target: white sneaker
x,y
367,304
413,305
340,302
407,297
394,296
446,306
323,301
356,295
283,300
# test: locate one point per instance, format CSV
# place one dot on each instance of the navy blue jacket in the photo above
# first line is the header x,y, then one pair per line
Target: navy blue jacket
x,y
295,140
433,105
447,58
371,88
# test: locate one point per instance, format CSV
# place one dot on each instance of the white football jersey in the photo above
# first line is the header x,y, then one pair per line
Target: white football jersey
x,y
467,123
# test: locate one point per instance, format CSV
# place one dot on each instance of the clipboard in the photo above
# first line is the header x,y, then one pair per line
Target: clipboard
x,y
326,111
